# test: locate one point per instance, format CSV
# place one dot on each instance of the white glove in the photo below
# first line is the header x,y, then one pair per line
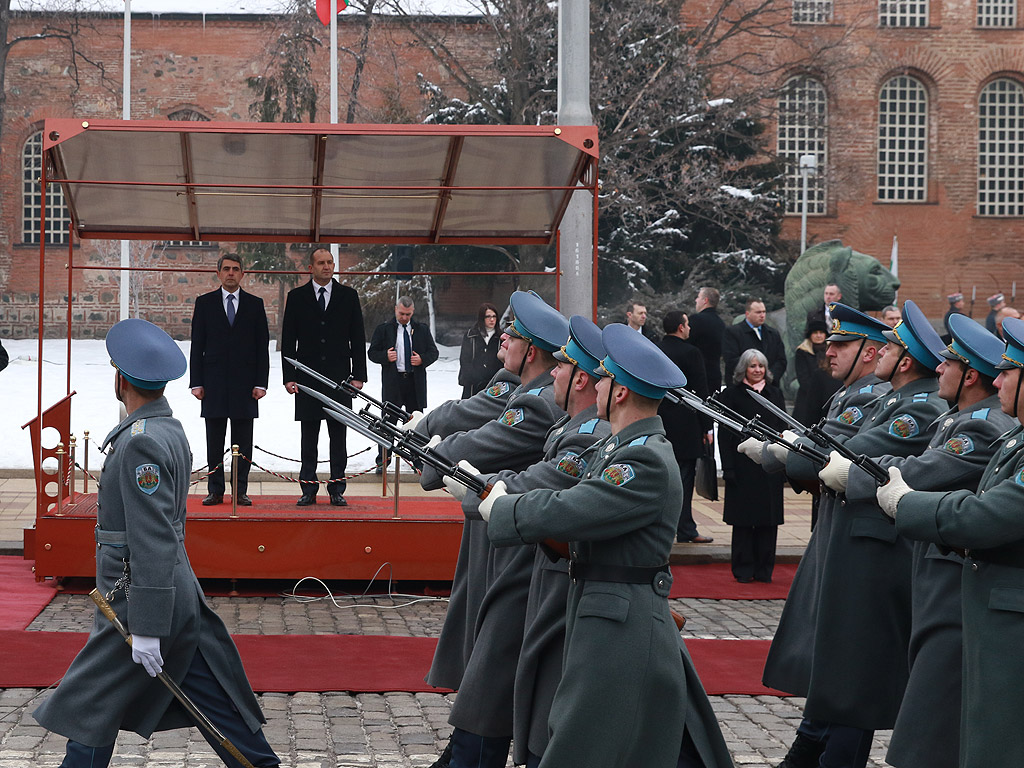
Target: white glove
x,y
455,488
889,495
836,473
751,448
146,651
497,490
408,426
433,442
780,452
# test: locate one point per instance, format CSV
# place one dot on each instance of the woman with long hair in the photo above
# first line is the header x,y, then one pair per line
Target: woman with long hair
x,y
479,357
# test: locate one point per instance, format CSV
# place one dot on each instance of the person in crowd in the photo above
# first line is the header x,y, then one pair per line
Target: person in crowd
x,y
140,554
478,360
1001,315
956,307
891,315
229,370
753,498
686,430
706,330
753,333
995,302
403,348
4,358
984,526
822,312
813,374
323,329
636,318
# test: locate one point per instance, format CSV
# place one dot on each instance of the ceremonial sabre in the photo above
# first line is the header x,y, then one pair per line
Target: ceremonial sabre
x,y
200,719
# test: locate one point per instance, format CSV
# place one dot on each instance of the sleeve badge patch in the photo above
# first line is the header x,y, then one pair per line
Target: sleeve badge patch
x,y
904,427
512,416
1019,479
147,476
961,445
498,389
618,474
572,464
851,415
139,427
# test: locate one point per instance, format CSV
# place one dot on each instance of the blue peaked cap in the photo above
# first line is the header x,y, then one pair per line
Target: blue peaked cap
x,y
916,335
584,348
637,363
974,346
1013,356
536,322
144,354
849,324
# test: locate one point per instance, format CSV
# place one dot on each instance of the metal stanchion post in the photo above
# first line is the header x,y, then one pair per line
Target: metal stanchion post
x,y
384,474
234,481
71,470
398,482
85,466
60,479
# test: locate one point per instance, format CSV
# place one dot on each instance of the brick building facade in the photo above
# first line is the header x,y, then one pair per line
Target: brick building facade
x,y
916,113
184,66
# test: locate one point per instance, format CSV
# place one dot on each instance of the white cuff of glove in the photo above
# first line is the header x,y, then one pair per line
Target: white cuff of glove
x,y
497,490
433,442
416,418
751,448
146,651
457,489
777,452
836,473
889,495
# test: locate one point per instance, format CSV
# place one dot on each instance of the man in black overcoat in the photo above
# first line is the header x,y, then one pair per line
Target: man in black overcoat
x,y
706,330
228,372
753,333
687,430
403,348
323,328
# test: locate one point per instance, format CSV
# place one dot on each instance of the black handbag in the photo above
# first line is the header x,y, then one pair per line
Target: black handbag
x,y
706,475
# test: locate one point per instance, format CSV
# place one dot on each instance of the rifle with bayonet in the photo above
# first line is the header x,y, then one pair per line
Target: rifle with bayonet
x,y
825,440
740,424
387,410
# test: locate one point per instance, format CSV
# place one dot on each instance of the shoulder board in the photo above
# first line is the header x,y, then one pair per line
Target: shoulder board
x,y
980,414
866,389
534,391
588,427
639,441
921,397
139,427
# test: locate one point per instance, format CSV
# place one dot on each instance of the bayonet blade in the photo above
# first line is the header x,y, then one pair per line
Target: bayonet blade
x,y
312,374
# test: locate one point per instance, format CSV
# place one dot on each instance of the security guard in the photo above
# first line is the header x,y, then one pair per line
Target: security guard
x,y
482,714
142,567
622,699
928,725
987,526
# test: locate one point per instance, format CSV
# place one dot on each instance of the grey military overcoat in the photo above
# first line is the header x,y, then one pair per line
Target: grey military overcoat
x,y
788,666
859,666
622,699
990,525
927,730
141,505
460,415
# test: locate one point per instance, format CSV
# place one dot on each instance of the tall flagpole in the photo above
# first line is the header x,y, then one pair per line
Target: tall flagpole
x,y
126,114
334,98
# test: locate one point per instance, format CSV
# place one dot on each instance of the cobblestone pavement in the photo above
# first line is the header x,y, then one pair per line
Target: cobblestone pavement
x,y
393,730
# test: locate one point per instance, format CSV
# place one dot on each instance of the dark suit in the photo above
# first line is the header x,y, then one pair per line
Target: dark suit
x,y
706,330
684,428
334,344
4,358
228,362
741,337
409,389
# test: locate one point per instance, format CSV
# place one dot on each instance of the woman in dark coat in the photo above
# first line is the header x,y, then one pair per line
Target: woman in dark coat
x,y
479,358
813,375
753,498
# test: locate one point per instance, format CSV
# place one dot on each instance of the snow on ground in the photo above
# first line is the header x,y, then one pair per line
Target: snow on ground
x,y
94,407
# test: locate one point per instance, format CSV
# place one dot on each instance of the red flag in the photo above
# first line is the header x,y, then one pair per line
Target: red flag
x,y
323,10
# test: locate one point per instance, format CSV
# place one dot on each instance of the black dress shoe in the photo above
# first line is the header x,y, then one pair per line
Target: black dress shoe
x,y
804,753
244,501
306,499
744,579
213,500
338,500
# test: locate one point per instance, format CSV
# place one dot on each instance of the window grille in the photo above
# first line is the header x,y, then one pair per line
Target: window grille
x,y
1001,149
903,140
903,13
997,13
57,215
803,124
812,11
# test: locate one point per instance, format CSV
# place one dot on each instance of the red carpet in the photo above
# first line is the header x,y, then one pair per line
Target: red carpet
x,y
731,666
22,597
714,581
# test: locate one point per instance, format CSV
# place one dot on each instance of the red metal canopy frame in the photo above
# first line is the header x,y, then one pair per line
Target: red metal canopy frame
x,y
296,183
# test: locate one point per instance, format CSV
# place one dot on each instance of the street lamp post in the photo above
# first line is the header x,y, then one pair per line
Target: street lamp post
x,y
808,167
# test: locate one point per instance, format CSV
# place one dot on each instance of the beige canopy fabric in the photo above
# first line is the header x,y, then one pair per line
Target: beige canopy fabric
x,y
168,180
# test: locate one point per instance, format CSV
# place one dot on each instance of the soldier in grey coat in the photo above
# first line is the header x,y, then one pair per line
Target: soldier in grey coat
x,y
986,526
853,348
482,714
622,699
142,568
927,730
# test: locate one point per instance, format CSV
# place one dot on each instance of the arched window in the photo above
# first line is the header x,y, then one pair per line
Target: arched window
x,y
57,216
803,125
1001,149
997,13
812,11
903,13
903,140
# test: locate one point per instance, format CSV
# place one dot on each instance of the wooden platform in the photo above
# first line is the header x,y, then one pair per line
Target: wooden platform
x,y
275,539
